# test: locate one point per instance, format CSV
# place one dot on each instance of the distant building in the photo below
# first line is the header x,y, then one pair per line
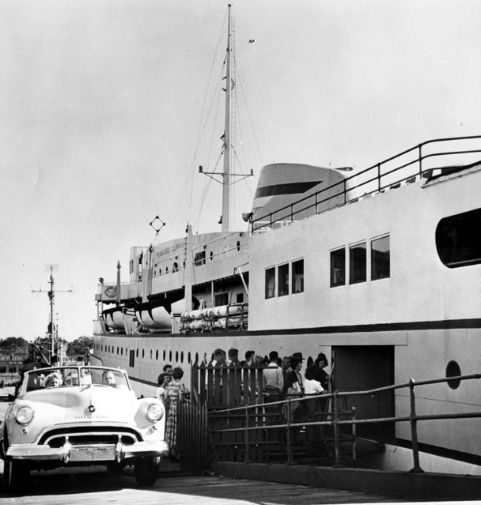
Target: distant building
x,y
11,362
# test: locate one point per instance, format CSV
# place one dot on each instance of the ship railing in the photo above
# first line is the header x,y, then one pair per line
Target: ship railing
x,y
239,419
420,161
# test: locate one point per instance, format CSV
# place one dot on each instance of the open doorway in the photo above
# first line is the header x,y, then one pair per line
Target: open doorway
x,y
359,368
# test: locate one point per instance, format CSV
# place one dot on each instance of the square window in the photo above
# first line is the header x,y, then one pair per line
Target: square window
x,y
357,263
221,299
298,276
380,258
283,279
270,282
338,267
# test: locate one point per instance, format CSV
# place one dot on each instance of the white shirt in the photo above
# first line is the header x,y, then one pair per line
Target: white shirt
x,y
312,387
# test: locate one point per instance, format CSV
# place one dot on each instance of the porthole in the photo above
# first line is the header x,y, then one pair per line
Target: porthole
x,y
457,242
453,370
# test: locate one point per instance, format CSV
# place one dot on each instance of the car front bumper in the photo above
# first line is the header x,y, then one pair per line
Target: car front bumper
x,y
70,454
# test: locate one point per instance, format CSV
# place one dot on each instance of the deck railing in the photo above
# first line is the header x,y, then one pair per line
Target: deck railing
x,y
241,431
390,173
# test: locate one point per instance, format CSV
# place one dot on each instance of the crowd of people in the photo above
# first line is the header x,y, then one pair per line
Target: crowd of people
x,y
284,377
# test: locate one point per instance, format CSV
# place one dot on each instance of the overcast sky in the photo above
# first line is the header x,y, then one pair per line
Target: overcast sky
x,y
102,105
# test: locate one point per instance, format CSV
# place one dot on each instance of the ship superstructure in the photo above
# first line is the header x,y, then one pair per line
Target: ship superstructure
x,y
379,269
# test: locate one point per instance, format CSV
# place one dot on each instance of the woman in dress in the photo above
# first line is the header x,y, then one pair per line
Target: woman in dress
x,y
174,392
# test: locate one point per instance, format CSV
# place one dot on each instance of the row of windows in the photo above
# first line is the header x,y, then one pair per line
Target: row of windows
x,y
178,357
290,279
358,262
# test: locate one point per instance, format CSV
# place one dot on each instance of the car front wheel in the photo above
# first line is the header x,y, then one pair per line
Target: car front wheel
x,y
16,474
146,472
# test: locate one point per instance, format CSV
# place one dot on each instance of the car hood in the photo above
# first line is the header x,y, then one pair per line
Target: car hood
x,y
83,403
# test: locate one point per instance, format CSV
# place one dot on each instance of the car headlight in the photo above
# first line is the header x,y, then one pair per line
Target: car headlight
x,y
24,415
154,412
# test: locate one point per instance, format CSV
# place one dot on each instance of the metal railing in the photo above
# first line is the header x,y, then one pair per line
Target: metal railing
x,y
383,175
337,416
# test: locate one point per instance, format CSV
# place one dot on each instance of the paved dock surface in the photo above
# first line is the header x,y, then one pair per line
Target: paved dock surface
x,y
94,486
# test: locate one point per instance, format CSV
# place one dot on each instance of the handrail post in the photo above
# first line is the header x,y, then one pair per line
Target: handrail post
x,y
345,191
354,434
337,439
292,212
288,433
414,429
420,159
246,436
379,177
315,200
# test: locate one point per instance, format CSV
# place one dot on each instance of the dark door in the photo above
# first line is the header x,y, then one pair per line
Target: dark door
x,y
362,368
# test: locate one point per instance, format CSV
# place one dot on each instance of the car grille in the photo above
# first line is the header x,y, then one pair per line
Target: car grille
x,y
95,435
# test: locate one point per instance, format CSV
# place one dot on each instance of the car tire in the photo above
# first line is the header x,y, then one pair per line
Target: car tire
x,y
146,472
16,475
115,470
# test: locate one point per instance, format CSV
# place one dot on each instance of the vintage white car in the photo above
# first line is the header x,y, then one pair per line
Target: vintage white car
x,y
78,415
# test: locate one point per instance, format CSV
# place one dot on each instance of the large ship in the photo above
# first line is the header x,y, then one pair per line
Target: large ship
x,y
379,269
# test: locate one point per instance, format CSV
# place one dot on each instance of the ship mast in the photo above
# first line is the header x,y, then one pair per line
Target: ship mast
x,y
52,328
227,175
227,132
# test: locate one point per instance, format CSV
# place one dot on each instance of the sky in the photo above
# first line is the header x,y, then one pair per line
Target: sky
x,y
103,107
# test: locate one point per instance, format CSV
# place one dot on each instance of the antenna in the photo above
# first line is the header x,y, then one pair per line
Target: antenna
x,y
52,328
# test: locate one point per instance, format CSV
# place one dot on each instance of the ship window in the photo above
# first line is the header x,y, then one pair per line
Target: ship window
x,y
457,239
175,267
283,279
270,282
239,298
189,358
338,267
157,354
211,256
221,299
357,263
453,370
176,356
137,353
131,266
170,355
117,350
143,353
199,258
182,357
197,357
166,270
380,261
298,276
163,355
238,246
150,353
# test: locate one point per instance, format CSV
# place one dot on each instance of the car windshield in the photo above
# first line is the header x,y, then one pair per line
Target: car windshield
x,y
58,377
